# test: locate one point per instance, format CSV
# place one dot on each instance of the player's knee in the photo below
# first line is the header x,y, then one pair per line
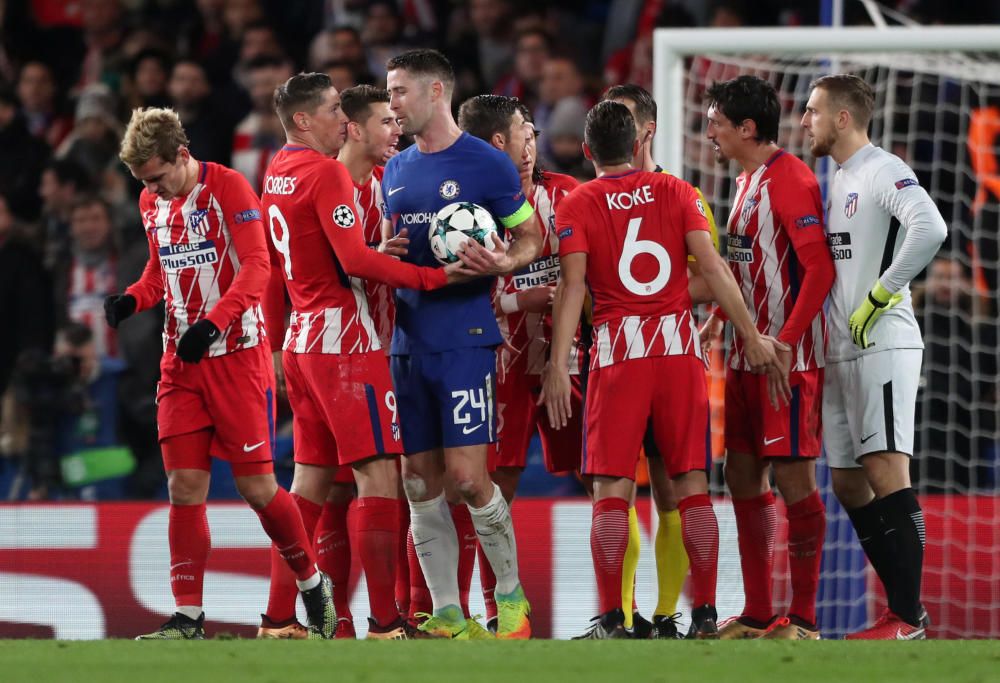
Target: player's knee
x,y
257,491
468,486
187,488
851,489
414,486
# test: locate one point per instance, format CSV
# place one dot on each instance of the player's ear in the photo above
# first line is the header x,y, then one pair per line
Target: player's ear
x,y
301,120
498,140
586,152
748,129
354,130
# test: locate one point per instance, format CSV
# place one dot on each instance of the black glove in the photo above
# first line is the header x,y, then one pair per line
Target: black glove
x,y
117,307
195,342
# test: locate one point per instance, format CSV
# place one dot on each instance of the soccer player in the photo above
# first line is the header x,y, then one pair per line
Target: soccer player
x,y
337,377
523,304
778,252
208,260
671,558
884,229
443,345
626,237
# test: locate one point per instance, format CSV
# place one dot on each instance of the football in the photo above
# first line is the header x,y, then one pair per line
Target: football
x,y
456,223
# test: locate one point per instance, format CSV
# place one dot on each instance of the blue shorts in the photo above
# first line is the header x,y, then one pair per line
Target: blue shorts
x,y
446,399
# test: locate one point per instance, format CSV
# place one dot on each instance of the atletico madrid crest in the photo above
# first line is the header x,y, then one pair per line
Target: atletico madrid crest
x,y
851,207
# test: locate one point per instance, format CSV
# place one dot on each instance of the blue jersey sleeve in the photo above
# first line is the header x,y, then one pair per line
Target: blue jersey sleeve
x,y
503,196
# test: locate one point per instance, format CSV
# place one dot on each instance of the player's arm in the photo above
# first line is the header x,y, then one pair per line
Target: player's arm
x,y
699,290
898,192
567,309
273,304
142,294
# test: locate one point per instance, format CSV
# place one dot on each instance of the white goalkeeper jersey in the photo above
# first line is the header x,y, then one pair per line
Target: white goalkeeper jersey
x,y
881,226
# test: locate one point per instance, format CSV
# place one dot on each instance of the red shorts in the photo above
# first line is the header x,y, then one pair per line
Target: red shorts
x,y
517,418
233,395
753,426
668,392
343,407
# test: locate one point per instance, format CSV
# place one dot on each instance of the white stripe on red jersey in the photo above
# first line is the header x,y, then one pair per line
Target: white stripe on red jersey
x,y
527,336
632,337
777,207
88,286
192,237
381,297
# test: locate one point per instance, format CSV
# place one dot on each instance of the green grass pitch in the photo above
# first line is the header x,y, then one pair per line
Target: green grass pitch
x,y
221,661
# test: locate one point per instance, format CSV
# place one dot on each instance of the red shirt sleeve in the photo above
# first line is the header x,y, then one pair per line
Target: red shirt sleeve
x,y
691,207
248,286
148,290
335,211
273,302
569,228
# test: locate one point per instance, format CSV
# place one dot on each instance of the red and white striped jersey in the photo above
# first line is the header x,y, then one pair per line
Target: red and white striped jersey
x,y
633,228
381,297
88,286
207,259
527,336
777,210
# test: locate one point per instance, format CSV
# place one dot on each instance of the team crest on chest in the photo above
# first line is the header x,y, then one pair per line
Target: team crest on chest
x,y
851,207
449,189
749,206
343,216
196,222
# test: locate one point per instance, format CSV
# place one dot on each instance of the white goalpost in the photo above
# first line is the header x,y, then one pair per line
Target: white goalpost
x,y
938,108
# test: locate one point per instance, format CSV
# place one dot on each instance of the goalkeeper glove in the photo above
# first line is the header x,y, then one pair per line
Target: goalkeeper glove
x,y
878,301
195,342
117,307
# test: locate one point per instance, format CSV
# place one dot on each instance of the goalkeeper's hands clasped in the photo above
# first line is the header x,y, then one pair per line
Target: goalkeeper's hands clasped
x,y
878,301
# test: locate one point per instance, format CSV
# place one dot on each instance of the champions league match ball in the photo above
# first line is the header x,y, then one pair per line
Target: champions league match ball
x,y
455,224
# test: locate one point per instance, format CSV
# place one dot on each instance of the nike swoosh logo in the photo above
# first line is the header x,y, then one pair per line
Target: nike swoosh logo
x,y
909,636
466,430
248,449
768,442
427,541
868,437
179,564
395,190
287,548
325,536
470,538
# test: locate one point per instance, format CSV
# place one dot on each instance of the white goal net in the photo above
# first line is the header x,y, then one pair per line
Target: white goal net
x,y
939,110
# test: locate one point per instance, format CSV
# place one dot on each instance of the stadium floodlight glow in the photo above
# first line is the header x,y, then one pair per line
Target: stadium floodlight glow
x,y
672,46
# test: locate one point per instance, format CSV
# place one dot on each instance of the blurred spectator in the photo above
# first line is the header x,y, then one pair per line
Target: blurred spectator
x,y
260,134
22,158
93,142
382,35
561,80
259,40
493,23
148,77
341,74
341,44
89,273
531,50
36,89
348,13
634,63
565,144
728,14
203,37
63,181
190,94
24,297
103,33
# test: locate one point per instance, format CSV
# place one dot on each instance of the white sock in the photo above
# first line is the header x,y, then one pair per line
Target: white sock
x,y
495,529
436,543
190,611
309,583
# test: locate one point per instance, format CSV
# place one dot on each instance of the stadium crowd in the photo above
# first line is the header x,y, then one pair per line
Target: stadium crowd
x,y
70,234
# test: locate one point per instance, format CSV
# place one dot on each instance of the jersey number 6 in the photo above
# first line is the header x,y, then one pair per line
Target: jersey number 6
x,y
633,247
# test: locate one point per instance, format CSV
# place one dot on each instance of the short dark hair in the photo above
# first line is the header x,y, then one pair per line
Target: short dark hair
x,y
645,105
748,97
76,334
265,62
483,116
356,101
424,63
301,92
849,92
610,133
88,200
69,171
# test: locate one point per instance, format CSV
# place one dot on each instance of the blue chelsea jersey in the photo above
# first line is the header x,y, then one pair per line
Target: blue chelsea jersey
x,y
414,188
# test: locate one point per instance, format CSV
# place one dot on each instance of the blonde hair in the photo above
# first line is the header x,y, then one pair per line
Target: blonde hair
x,y
152,132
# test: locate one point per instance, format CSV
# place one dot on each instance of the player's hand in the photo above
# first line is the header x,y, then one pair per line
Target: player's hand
x,y
457,273
117,307
279,374
861,322
389,153
760,353
396,246
555,395
708,333
482,261
779,390
536,299
193,344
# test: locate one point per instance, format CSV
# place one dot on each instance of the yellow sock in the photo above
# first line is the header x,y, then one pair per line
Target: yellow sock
x,y
671,562
629,566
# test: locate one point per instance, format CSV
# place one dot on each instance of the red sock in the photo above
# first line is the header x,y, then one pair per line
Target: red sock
x,y
283,524
488,580
806,529
420,595
468,542
375,527
700,530
283,591
608,539
756,521
190,542
402,563
333,548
